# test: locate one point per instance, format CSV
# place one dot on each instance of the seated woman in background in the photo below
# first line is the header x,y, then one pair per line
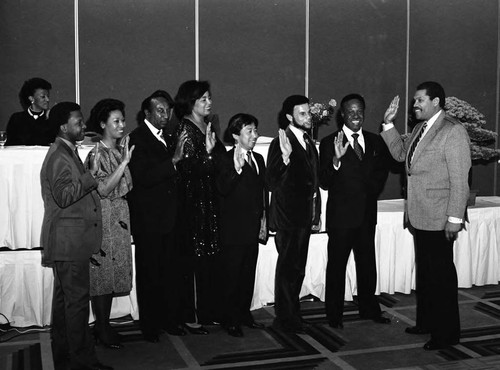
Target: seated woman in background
x,y
31,127
111,269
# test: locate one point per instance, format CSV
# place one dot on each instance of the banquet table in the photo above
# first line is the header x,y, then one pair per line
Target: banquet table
x,y
26,286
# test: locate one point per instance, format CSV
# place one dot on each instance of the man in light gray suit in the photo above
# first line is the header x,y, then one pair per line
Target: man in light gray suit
x,y
437,157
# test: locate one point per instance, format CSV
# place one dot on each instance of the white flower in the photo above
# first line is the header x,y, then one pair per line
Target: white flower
x,y
332,103
314,109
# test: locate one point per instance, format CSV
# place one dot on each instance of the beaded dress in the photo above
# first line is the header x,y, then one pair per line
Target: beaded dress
x,y
199,211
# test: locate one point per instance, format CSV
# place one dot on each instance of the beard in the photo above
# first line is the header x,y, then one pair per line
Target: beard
x,y
299,126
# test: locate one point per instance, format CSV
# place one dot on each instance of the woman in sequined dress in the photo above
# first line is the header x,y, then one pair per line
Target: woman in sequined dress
x,y
199,224
111,269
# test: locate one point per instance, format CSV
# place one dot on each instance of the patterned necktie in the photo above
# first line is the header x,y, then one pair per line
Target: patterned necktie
x,y
415,143
357,147
307,140
250,161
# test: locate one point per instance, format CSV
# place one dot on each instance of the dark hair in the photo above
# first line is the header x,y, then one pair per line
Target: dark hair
x,y
287,108
146,103
100,113
293,101
350,97
30,86
188,93
60,113
238,121
434,90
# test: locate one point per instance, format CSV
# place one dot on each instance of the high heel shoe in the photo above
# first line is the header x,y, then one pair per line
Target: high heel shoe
x,y
106,341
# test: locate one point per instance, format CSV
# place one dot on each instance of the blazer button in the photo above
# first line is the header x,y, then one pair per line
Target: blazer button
x,y
95,209
95,225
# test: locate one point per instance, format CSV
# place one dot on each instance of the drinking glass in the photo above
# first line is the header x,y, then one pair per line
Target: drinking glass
x,y
3,138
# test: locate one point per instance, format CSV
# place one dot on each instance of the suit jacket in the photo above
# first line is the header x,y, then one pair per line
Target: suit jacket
x,y
72,226
153,200
437,179
354,188
243,200
293,186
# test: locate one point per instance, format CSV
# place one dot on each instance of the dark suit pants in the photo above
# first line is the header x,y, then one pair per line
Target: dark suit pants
x,y
158,281
71,339
199,295
236,281
437,286
292,246
340,243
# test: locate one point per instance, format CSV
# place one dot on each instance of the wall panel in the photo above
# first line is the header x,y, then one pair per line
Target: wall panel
x,y
359,46
253,53
37,41
455,42
130,48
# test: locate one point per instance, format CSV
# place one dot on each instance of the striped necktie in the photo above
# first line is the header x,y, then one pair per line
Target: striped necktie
x,y
357,147
415,143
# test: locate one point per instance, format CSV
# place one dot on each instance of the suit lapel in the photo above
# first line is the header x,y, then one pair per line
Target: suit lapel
x,y
427,139
297,147
153,141
72,154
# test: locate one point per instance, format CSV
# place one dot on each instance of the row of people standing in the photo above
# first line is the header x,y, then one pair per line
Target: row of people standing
x,y
181,222
174,233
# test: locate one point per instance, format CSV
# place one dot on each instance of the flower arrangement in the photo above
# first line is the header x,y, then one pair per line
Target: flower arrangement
x,y
321,113
473,121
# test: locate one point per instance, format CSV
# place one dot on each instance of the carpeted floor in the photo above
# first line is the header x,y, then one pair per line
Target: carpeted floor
x,y
361,344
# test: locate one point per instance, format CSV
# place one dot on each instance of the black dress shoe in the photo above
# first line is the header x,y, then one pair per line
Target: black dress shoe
x,y
382,320
234,331
432,345
96,366
297,329
99,366
153,338
106,342
197,331
416,330
209,322
175,330
336,324
254,325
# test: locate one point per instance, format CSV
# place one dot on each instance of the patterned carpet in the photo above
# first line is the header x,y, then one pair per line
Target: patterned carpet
x,y
362,344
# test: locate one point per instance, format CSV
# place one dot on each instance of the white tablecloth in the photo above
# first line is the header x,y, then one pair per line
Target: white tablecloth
x,y
26,286
476,255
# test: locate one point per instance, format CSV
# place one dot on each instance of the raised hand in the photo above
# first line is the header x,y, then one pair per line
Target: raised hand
x,y
179,148
238,158
210,139
94,160
339,148
285,146
391,112
127,152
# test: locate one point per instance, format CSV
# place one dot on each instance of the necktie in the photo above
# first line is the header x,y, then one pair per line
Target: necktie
x,y
357,147
160,134
78,156
307,140
415,143
250,161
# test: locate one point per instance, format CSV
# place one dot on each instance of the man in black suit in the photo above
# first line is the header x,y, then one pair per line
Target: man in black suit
x,y
153,211
243,205
353,168
292,176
